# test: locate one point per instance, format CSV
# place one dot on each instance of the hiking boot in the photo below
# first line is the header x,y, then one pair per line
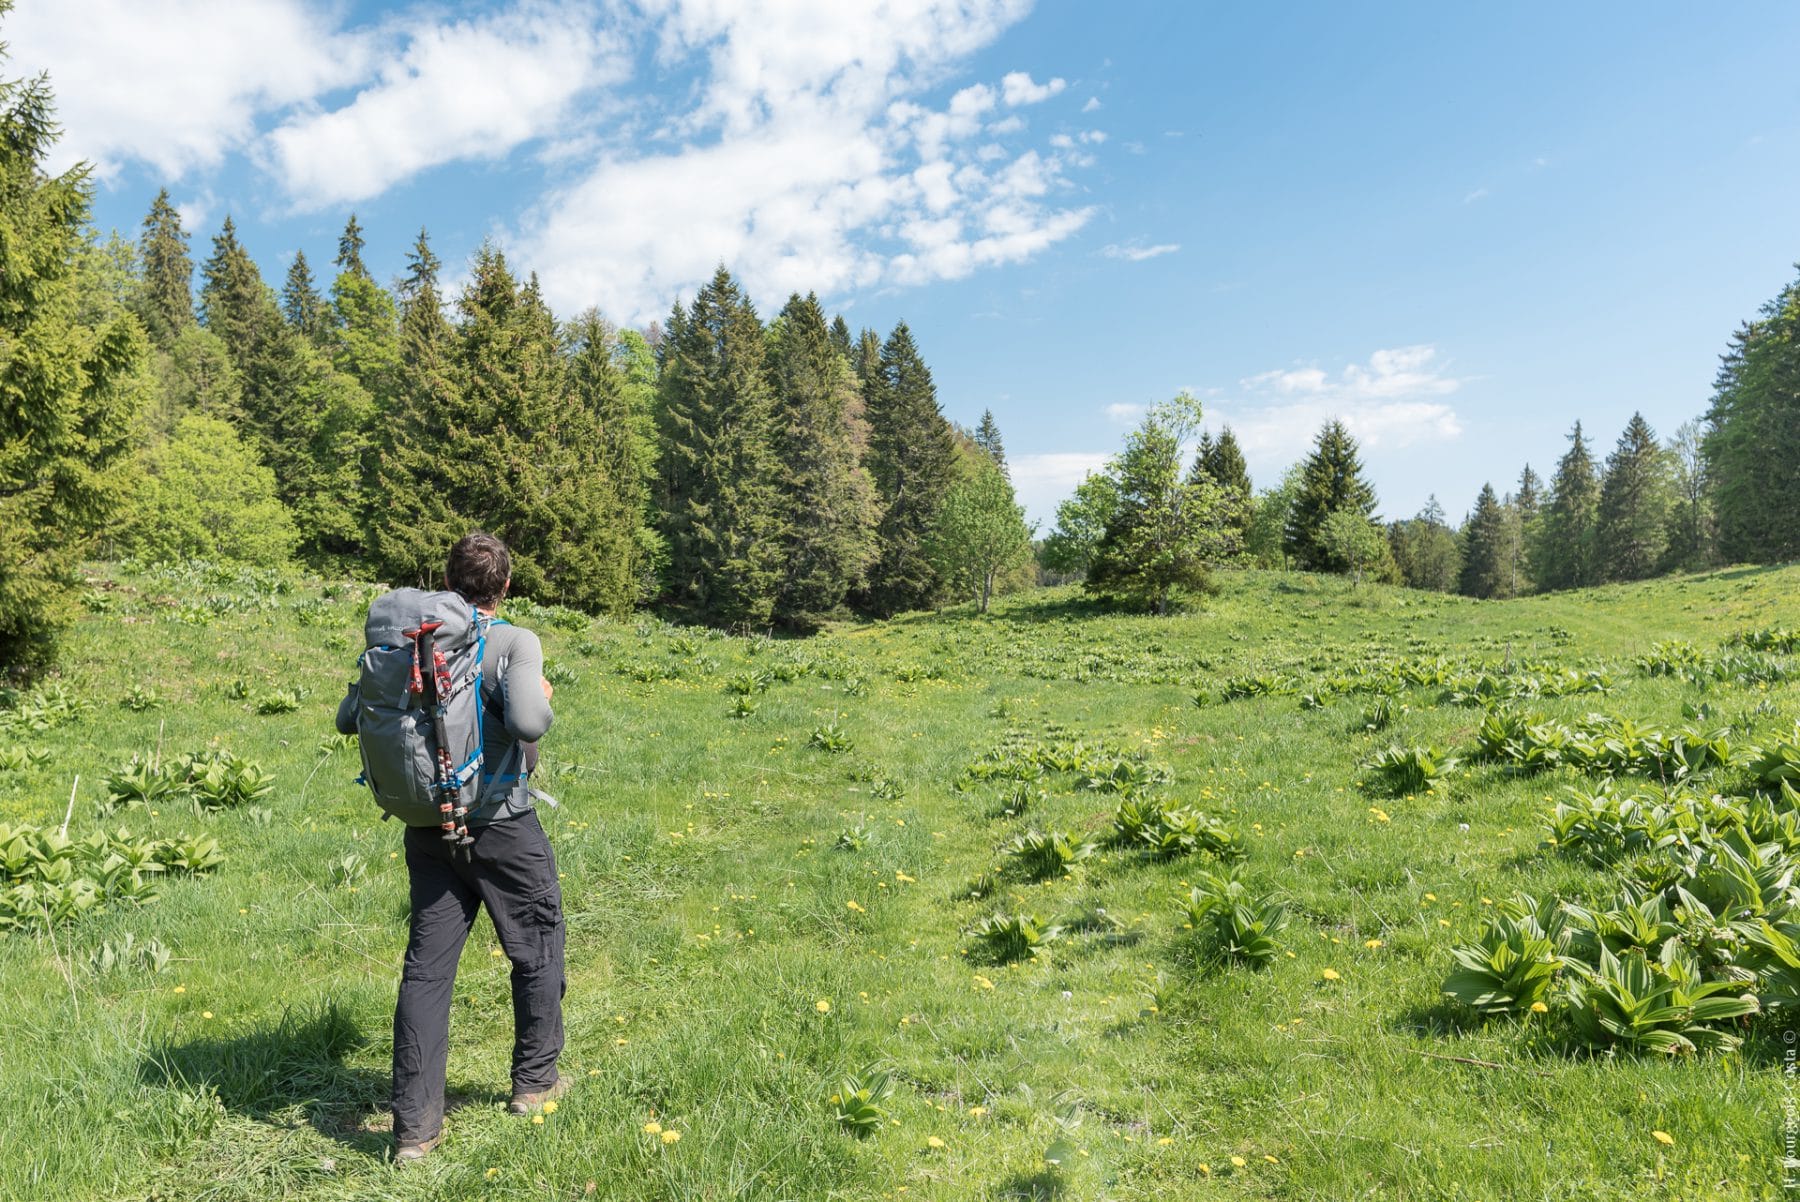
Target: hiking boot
x,y
525,1103
411,1153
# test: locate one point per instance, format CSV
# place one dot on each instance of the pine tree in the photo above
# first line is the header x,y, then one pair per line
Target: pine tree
x,y
350,248
166,304
1332,479
301,303
912,457
1631,529
67,391
1165,528
718,472
1485,571
825,499
1752,442
987,439
1563,554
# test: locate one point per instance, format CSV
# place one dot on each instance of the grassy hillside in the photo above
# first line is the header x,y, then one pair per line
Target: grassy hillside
x,y
770,851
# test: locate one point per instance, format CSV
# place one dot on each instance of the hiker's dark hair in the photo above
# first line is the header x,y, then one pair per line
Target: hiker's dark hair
x,y
478,568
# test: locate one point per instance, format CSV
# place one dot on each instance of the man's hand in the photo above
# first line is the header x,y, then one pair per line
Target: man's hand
x,y
548,687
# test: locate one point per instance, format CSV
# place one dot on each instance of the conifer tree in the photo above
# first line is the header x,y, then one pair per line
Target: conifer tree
x,y
234,300
301,303
1631,521
825,501
1332,479
166,303
1563,554
987,439
364,334
426,440
1221,461
1485,571
350,248
718,472
1165,528
1753,436
66,391
615,552
1425,550
912,457
840,338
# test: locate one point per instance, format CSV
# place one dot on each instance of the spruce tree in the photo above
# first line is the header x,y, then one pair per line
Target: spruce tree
x,y
234,301
1631,527
364,335
166,303
1563,552
615,552
1752,442
1485,571
1331,479
825,500
350,248
987,439
301,303
718,470
840,338
1222,462
428,445
912,457
66,391
1425,550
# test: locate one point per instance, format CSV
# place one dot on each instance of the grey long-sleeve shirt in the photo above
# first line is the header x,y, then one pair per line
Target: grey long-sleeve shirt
x,y
515,715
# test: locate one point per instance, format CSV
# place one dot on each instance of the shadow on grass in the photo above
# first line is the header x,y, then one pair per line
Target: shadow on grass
x,y
1034,1187
1440,1019
268,1074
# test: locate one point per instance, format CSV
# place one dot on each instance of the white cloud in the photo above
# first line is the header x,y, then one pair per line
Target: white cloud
x,y
1093,103
176,84
1125,411
1477,194
1041,482
472,89
1019,89
1137,254
1389,402
808,159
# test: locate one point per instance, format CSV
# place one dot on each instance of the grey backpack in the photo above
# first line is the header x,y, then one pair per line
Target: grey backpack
x,y
418,721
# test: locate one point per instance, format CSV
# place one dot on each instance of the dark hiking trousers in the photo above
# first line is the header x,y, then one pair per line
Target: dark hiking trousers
x,y
511,870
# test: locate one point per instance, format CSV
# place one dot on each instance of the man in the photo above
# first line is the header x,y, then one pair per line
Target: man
x,y
508,867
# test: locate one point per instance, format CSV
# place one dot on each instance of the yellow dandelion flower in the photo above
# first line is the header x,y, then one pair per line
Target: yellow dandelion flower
x,y
181,989
1164,1142
652,1128
822,1006
496,953
1664,1138
671,1137
934,1142
1205,1170
206,1014
1371,944
537,1120
549,1107
1270,1159
1539,1008
852,905
491,1174
1431,897
1238,1162
977,1111
1330,974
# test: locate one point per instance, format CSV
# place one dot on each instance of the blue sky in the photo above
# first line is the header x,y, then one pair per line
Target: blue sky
x,y
1459,228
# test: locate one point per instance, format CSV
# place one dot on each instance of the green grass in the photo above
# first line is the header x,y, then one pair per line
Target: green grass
x,y
711,909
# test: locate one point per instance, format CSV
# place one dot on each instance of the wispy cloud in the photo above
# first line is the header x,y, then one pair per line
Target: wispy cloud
x,y
1018,88
1041,482
1133,253
1477,194
1393,400
1125,411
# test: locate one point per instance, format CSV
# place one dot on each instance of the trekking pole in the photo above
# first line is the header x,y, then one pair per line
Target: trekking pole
x,y
430,684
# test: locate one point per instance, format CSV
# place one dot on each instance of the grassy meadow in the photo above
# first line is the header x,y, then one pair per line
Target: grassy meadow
x,y
774,853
